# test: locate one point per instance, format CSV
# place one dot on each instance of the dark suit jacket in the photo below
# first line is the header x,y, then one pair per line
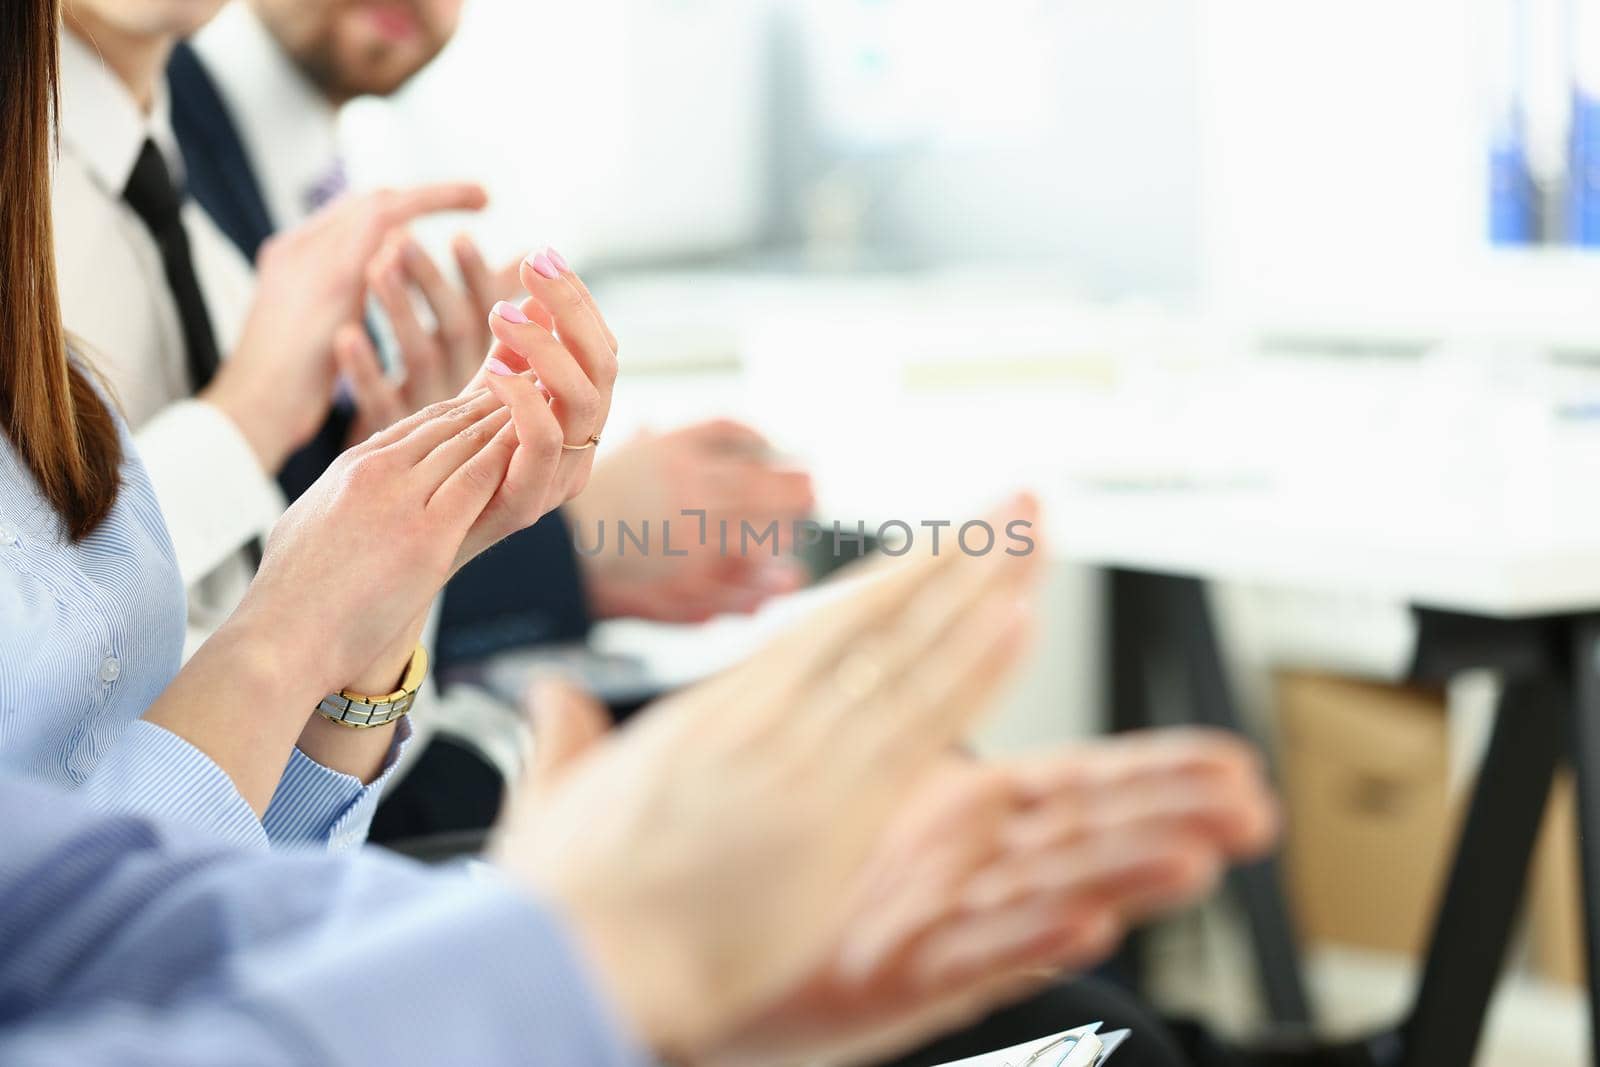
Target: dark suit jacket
x,y
528,590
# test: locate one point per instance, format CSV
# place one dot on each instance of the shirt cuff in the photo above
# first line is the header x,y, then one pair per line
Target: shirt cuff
x,y
153,772
317,806
212,489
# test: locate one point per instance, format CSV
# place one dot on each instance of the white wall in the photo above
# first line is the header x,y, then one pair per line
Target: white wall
x,y
1107,187
1064,134
1345,159
607,127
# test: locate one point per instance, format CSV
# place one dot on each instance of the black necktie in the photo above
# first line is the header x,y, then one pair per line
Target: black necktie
x,y
158,202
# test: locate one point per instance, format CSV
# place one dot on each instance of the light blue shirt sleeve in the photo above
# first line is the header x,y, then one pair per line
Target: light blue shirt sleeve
x,y
91,634
123,941
154,772
314,805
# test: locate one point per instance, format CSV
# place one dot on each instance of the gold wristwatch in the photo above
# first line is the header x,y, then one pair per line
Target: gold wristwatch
x,y
361,712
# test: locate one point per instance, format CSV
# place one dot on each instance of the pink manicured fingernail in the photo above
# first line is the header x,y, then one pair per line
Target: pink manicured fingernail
x,y
494,366
511,313
559,260
543,264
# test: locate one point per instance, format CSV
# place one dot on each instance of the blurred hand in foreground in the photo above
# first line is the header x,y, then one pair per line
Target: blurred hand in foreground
x,y
703,856
994,880
982,882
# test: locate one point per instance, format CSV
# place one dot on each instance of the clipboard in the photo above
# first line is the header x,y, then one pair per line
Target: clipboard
x,y
1084,1046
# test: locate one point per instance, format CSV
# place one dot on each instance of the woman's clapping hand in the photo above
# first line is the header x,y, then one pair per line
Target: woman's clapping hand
x,y
352,568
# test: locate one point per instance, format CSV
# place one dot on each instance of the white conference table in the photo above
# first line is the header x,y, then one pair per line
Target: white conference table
x,y
1262,537
1441,485
1512,569
1153,442
1513,563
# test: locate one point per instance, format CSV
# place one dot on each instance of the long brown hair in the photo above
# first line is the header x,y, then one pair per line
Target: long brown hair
x,y
56,421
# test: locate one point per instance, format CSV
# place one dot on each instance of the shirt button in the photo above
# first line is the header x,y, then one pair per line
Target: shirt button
x,y
8,536
110,670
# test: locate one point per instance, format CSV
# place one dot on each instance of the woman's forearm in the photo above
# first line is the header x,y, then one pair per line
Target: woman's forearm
x,y
362,754
243,702
248,697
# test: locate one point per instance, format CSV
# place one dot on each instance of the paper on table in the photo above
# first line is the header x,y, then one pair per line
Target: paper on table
x,y
1086,1054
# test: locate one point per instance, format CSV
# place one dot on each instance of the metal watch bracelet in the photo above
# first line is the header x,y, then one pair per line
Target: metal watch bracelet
x,y
361,712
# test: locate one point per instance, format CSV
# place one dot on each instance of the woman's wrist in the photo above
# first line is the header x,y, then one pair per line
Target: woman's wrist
x,y
260,657
311,656
242,701
292,657
383,674
363,754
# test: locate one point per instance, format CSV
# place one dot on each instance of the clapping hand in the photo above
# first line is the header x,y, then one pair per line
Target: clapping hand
x,y
700,479
437,360
352,567
278,383
705,854
996,879
991,881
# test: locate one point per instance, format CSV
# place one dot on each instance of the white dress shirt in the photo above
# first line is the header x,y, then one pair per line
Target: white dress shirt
x,y
289,129
291,133
211,490
116,303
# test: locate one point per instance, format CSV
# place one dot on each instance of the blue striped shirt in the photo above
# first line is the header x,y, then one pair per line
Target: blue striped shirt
x,y
125,942
90,635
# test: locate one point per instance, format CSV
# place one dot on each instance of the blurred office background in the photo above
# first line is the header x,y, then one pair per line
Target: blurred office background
x,y
1263,157
1106,243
